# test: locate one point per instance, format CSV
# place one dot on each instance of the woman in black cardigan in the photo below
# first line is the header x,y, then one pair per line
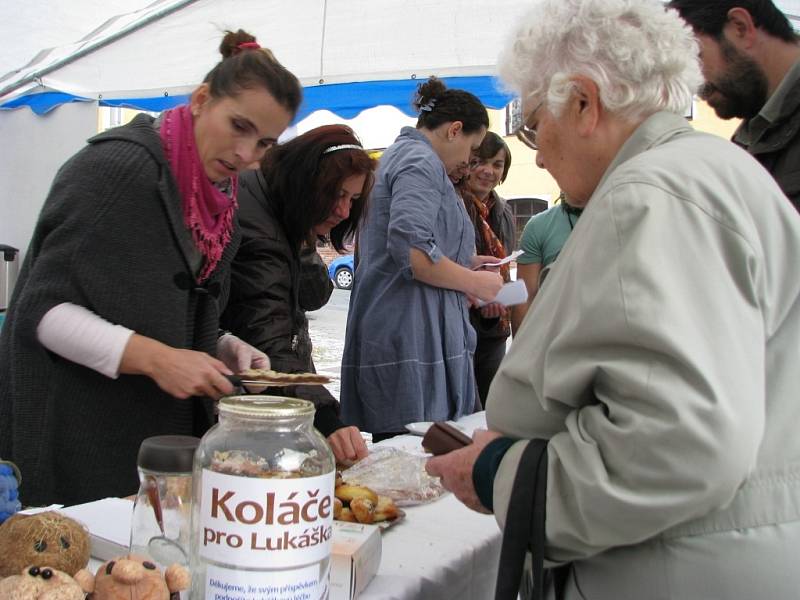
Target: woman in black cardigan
x,y
112,331
313,187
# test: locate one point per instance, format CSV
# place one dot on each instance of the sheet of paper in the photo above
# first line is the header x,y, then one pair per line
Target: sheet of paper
x,y
510,294
40,509
507,259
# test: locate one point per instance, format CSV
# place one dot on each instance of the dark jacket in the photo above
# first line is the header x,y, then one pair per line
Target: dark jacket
x,y
501,220
273,284
778,148
111,238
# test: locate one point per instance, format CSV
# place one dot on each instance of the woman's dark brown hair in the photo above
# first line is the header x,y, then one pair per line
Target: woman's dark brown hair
x,y
711,16
438,105
490,146
305,175
244,65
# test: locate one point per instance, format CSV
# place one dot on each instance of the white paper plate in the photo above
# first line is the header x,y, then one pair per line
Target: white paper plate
x,y
420,428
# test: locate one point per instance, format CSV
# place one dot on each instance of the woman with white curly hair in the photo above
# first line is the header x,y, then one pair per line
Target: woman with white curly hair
x,y
642,426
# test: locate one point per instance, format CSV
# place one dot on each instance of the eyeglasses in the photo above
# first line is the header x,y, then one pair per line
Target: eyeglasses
x,y
527,134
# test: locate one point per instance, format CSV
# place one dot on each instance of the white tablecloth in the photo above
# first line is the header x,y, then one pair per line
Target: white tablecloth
x,y
440,550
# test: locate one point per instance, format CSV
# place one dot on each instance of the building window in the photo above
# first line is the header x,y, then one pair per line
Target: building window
x,y
523,209
115,116
513,116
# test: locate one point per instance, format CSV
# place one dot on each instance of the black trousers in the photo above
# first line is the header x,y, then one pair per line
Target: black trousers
x,y
488,354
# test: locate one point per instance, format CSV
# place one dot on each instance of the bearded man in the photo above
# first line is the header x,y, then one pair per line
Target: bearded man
x,y
750,59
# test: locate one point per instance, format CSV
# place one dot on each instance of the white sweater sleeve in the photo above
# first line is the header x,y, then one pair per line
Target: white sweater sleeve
x,y
79,335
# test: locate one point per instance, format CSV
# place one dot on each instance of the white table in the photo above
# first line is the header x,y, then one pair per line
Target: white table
x,y
441,550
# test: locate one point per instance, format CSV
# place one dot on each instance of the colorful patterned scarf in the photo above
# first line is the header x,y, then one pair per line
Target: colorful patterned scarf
x,y
207,211
488,244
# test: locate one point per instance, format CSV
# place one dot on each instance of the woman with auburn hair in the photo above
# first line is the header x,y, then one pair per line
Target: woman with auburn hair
x,y
112,334
313,187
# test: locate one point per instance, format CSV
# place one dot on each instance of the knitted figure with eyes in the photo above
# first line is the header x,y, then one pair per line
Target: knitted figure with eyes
x,y
136,578
47,539
35,583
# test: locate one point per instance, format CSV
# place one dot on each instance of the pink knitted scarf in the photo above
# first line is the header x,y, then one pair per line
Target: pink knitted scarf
x,y
207,211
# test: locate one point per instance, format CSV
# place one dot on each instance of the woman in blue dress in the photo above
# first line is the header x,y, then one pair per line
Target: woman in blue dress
x,y
409,343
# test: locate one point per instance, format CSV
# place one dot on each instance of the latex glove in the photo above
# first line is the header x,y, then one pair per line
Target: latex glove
x,y
239,355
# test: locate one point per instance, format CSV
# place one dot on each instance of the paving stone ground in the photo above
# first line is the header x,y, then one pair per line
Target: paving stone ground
x,y
327,327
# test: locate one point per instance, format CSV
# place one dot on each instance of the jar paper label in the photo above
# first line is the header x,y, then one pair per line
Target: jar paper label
x,y
294,584
265,523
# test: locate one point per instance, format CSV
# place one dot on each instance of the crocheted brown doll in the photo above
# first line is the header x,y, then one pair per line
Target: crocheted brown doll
x,y
136,578
35,583
47,539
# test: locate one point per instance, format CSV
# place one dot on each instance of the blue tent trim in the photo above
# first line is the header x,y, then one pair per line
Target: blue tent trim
x,y
156,104
346,100
43,102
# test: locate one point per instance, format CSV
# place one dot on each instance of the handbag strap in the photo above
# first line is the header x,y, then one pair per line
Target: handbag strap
x,y
524,529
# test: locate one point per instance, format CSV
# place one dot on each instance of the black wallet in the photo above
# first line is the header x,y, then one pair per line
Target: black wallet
x,y
442,438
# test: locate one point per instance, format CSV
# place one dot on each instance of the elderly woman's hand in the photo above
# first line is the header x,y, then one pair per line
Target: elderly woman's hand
x,y
455,469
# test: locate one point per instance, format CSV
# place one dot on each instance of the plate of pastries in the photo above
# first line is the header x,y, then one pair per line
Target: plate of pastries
x,y
360,504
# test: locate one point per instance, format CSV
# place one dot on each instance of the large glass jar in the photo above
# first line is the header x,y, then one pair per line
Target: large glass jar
x,y
262,513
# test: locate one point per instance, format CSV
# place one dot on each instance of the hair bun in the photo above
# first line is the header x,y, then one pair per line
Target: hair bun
x,y
230,43
430,90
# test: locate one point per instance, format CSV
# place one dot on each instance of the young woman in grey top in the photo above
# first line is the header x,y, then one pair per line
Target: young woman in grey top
x,y
409,344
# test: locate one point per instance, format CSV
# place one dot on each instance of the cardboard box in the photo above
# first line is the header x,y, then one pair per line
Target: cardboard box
x,y
355,558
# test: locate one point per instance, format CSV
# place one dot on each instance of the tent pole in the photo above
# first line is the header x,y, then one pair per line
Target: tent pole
x,y
37,75
322,42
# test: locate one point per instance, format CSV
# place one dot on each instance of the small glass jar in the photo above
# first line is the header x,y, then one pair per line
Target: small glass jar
x,y
160,527
262,516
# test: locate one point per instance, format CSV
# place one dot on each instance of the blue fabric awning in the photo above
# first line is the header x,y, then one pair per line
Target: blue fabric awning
x,y
43,102
346,100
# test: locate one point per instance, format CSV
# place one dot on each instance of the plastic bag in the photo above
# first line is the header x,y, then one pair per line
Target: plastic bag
x,y
395,473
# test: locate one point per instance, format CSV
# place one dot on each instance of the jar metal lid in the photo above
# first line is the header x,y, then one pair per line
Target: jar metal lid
x,y
253,405
167,453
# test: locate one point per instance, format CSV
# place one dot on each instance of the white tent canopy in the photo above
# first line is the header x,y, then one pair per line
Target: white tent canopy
x,y
166,48
32,26
351,55
358,53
